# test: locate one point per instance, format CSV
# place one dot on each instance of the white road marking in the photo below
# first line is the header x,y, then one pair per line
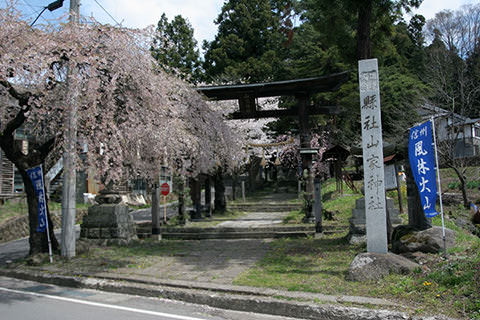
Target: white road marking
x,y
102,305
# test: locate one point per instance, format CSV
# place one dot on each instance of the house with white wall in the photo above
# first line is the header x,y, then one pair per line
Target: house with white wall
x,y
452,127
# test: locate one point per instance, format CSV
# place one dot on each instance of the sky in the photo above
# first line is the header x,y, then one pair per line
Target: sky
x,y
200,13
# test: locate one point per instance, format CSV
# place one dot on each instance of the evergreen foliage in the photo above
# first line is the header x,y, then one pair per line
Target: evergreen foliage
x,y
249,45
175,48
268,40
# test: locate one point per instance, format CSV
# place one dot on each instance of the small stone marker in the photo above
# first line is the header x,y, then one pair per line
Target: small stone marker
x,y
376,217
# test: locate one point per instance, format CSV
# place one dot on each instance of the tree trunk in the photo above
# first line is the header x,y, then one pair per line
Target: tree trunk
x,y
195,195
389,224
253,170
36,155
234,186
208,197
38,240
181,201
463,189
364,50
155,209
305,137
220,203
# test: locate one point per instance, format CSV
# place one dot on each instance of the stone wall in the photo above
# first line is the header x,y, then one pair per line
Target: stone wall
x,y
17,228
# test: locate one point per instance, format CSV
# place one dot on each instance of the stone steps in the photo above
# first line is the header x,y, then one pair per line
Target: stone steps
x,y
192,233
236,235
268,207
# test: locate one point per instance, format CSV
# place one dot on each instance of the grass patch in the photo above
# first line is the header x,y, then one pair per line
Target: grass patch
x,y
311,265
92,258
294,216
340,204
447,286
450,287
12,209
450,182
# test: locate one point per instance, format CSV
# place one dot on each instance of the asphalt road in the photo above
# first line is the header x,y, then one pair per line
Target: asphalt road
x,y
29,300
146,214
17,249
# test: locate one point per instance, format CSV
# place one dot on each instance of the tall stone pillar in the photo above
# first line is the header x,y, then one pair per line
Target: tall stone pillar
x,y
305,138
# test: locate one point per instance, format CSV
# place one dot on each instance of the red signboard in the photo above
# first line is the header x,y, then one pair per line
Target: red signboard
x,y
165,188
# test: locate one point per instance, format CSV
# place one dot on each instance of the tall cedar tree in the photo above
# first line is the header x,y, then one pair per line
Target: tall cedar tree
x,y
365,29
175,48
250,41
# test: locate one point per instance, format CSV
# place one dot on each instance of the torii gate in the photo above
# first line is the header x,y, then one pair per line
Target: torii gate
x,y
302,90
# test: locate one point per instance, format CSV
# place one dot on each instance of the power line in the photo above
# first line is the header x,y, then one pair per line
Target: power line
x,y
107,12
34,10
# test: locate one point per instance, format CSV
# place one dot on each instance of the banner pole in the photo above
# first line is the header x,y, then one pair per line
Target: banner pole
x,y
439,187
46,220
49,241
165,209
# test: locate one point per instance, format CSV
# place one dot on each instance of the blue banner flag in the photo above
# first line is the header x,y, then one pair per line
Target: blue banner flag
x,y
422,161
36,175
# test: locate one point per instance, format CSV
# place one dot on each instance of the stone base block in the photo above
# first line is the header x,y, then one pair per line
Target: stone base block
x,y
156,237
357,239
108,221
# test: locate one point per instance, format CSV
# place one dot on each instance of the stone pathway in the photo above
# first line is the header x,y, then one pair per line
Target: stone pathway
x,y
216,261
255,219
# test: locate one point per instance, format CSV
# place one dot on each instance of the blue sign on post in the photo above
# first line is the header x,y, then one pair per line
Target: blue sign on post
x,y
422,161
36,176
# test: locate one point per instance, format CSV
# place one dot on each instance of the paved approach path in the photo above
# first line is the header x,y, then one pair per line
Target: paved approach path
x,y
262,217
255,219
216,261
221,260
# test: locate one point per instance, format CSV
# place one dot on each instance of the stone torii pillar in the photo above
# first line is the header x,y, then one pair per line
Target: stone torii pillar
x,y
305,137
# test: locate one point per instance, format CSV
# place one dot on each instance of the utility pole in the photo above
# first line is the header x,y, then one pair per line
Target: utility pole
x,y
74,11
70,168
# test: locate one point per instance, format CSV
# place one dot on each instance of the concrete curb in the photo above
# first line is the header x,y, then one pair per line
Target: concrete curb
x,y
245,290
218,296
